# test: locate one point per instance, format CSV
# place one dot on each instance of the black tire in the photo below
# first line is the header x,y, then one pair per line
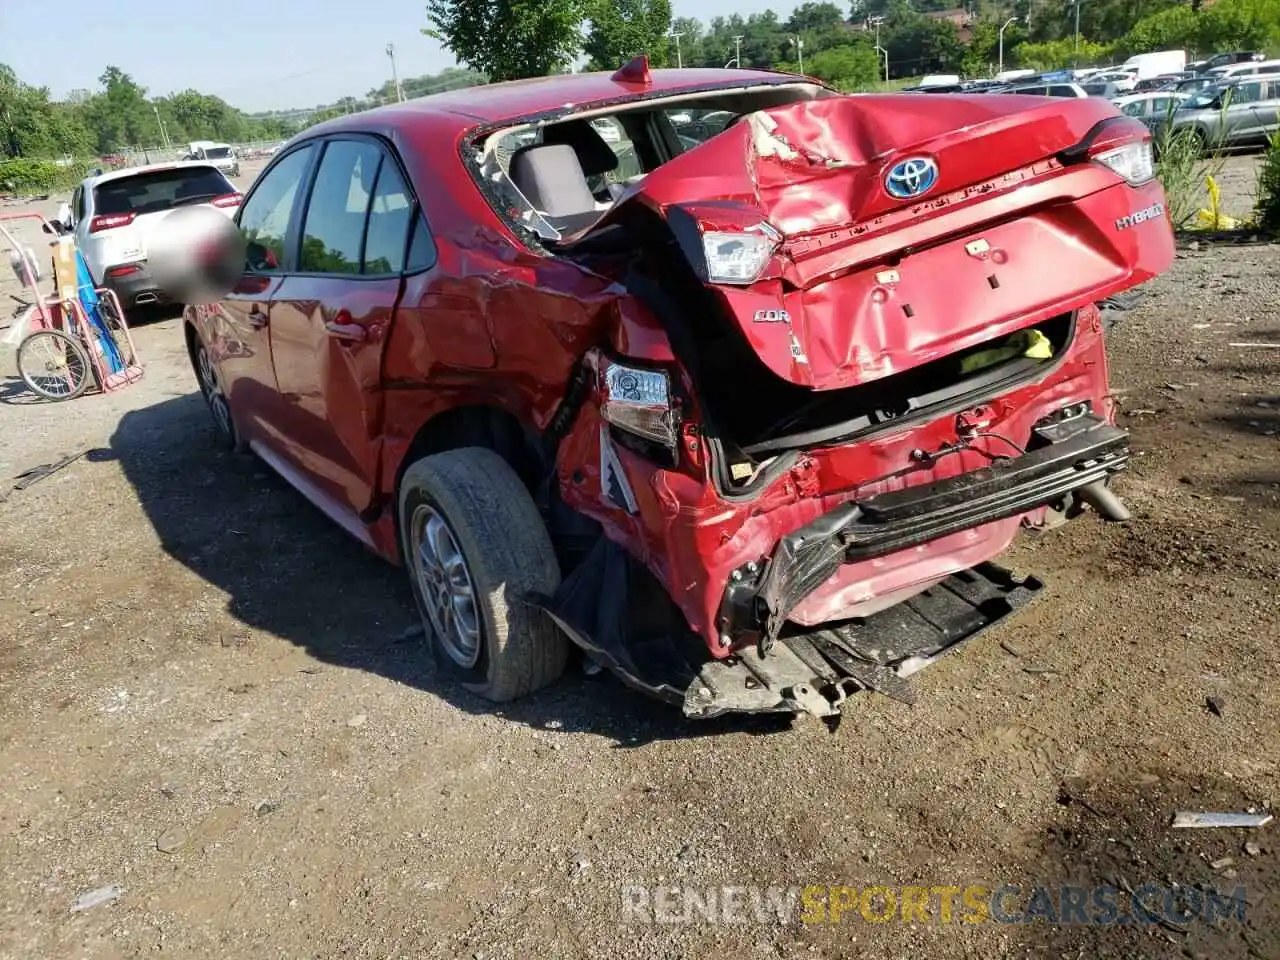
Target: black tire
x,y
215,397
54,365
507,555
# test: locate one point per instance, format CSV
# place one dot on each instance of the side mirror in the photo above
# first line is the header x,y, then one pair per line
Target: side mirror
x,y
57,228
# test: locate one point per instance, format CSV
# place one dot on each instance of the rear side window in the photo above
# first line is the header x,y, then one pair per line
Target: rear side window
x,y
264,217
154,191
1062,91
389,219
335,220
422,251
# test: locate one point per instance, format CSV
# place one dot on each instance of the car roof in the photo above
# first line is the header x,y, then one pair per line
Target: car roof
x,y
1146,95
132,171
496,102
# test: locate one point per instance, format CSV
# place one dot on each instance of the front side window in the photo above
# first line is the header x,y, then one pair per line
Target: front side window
x,y
1133,109
1246,93
333,229
264,217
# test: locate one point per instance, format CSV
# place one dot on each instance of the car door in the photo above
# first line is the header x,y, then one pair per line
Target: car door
x,y
1269,107
1242,120
330,319
237,328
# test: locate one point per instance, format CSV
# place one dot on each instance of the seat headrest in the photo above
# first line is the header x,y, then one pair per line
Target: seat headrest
x,y
551,178
593,153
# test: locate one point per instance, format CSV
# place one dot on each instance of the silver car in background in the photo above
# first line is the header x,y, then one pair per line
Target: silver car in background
x,y
1237,113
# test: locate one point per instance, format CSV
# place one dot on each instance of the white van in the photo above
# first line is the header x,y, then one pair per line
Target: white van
x,y
1157,64
219,154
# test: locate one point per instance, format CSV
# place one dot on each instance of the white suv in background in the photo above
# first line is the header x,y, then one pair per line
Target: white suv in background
x,y
112,215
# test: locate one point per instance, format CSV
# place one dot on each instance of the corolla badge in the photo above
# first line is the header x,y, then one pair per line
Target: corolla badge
x,y
912,177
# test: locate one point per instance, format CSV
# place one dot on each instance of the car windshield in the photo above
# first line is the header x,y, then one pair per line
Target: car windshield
x,y
152,191
218,153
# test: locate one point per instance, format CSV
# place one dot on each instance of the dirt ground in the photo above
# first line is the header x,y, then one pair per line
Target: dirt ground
x,y
207,700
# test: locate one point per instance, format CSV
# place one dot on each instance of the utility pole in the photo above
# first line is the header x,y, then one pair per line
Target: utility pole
x,y
1077,27
676,35
164,134
395,77
875,22
799,42
737,51
1011,20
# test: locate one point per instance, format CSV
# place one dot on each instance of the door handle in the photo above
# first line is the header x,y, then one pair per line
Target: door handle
x,y
349,332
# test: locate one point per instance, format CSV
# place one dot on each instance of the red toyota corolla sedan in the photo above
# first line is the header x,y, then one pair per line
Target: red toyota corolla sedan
x,y
736,383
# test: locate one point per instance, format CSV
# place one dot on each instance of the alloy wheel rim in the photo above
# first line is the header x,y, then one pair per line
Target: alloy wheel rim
x,y
213,391
445,583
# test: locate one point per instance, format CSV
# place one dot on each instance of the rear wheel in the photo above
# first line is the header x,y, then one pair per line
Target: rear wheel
x,y
54,365
478,552
214,396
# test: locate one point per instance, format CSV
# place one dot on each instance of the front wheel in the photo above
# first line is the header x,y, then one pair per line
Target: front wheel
x,y
478,552
54,365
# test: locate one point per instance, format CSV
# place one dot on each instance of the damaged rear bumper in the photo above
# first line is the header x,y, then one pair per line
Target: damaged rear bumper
x,y
1079,455
814,672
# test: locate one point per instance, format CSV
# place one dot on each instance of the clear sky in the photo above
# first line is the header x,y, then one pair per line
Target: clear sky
x,y
255,54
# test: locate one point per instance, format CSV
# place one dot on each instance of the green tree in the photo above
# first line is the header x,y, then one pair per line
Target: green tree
x,y
120,115
622,29
852,66
692,36
26,118
814,17
508,39
1054,54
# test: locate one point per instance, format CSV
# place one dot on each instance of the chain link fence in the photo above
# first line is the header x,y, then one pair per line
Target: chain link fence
x,y
139,156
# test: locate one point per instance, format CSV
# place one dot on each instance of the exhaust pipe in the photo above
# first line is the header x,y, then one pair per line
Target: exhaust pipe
x,y
1099,496
144,298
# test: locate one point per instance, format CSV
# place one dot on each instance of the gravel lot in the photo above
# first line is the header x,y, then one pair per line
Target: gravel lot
x,y
208,700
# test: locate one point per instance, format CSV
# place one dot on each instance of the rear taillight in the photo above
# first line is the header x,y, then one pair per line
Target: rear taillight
x,y
1122,145
110,221
123,270
227,200
738,258
724,243
638,400
1134,161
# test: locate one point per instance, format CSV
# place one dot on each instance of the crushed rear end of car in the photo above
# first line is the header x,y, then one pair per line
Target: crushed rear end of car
x,y
856,348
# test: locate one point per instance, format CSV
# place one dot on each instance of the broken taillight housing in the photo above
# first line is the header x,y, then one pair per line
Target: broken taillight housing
x,y
638,400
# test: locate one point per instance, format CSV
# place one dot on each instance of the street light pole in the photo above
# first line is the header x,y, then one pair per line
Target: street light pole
x,y
799,42
1077,27
164,134
679,59
395,77
1011,20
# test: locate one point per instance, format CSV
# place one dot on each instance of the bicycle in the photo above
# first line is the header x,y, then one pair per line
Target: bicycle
x,y
67,344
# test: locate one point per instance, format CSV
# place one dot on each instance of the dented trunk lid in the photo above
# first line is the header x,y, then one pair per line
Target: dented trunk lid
x,y
865,284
